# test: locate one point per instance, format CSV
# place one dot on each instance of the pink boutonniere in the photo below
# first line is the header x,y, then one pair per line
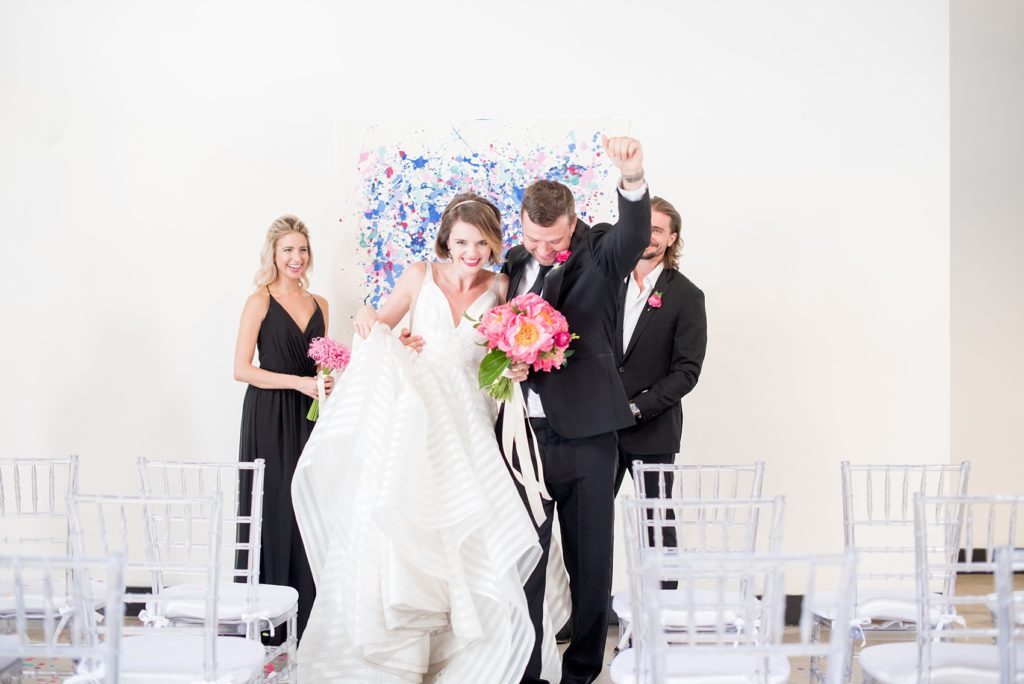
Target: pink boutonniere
x,y
654,301
563,256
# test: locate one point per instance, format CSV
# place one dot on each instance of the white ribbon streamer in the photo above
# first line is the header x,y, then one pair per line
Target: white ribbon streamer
x,y
320,391
517,436
260,617
88,674
153,620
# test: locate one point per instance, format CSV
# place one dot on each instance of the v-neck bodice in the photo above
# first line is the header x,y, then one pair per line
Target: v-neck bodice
x,y
443,338
282,345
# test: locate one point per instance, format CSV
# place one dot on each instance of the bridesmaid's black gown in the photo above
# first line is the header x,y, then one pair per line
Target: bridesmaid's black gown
x,y
275,428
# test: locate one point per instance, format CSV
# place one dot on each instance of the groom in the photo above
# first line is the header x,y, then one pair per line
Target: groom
x,y
576,410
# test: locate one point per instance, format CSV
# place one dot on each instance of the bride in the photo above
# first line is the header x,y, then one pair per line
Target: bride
x,y
416,535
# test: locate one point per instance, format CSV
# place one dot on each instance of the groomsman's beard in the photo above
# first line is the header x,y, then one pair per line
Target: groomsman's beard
x,y
652,254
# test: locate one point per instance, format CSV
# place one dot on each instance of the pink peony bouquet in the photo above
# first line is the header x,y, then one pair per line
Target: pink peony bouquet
x,y
525,330
330,355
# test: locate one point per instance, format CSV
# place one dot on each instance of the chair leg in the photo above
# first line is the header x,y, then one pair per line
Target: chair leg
x,y
816,674
292,643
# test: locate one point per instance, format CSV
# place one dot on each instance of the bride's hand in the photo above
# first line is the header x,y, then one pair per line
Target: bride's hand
x,y
364,321
414,343
518,372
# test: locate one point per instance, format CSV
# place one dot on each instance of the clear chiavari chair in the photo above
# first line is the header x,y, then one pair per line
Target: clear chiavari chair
x,y
34,520
166,541
244,605
711,526
878,523
691,483
735,609
80,646
959,638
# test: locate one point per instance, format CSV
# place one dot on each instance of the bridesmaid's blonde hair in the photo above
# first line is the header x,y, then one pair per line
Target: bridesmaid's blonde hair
x,y
282,225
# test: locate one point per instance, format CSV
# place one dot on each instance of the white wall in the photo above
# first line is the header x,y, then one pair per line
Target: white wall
x,y
146,148
987,240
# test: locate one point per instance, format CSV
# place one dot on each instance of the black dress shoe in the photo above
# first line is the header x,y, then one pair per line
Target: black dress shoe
x,y
564,635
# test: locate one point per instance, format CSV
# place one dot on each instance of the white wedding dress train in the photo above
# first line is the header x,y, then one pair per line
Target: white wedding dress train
x,y
416,536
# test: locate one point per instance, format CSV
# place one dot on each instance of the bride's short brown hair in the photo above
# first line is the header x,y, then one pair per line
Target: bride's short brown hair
x,y
477,211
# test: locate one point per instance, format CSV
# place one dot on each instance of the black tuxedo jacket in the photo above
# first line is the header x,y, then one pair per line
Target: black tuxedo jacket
x,y
662,362
586,397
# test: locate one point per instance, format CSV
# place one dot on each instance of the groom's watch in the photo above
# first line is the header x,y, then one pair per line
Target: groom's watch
x,y
635,410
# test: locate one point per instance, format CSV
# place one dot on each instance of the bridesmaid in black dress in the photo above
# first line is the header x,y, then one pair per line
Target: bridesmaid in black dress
x,y
280,318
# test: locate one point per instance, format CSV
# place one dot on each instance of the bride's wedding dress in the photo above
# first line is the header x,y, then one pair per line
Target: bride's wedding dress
x,y
416,536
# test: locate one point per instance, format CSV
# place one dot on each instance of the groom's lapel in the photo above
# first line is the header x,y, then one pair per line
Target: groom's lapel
x,y
515,271
556,277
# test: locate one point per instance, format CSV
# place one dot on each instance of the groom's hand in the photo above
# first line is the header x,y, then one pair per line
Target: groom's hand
x,y
517,372
628,156
414,342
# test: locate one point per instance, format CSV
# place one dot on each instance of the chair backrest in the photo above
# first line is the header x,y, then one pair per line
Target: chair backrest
x,y
741,527
240,486
704,526
878,516
1009,610
741,603
689,481
33,503
47,582
957,535
164,541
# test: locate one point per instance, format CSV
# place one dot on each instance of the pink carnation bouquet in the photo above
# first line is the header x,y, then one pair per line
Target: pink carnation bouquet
x,y
330,355
525,330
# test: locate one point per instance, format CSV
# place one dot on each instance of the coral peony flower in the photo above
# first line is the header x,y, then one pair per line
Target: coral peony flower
x,y
525,330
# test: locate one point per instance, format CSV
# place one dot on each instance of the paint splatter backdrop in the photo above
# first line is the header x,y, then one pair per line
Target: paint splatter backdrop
x,y
407,174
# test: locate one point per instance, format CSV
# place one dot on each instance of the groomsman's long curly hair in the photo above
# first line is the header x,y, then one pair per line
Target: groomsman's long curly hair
x,y
672,254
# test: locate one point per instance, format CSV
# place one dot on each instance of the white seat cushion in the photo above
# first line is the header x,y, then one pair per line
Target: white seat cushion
x,y
684,667
171,658
187,601
992,602
676,617
34,595
952,663
873,604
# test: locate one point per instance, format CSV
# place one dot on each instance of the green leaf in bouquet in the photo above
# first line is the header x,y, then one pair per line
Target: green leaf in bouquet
x,y
492,366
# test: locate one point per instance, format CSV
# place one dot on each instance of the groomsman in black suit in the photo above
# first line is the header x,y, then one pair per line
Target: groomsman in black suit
x,y
577,410
660,340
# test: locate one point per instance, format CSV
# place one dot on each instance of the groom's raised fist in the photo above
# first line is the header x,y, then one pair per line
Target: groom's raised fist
x,y
628,155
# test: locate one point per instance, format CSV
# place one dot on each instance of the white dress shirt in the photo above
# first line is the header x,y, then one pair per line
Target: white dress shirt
x,y
533,405
636,300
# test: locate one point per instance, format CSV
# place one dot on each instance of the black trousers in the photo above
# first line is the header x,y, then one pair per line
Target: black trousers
x,y
580,476
625,463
